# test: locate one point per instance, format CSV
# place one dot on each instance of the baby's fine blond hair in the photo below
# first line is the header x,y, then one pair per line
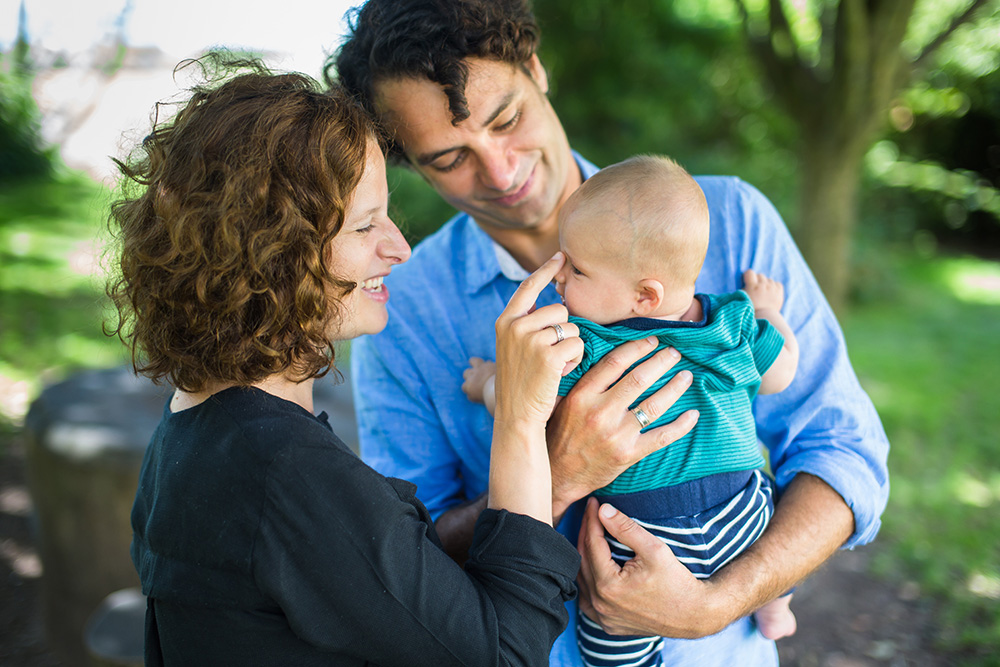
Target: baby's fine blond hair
x,y
662,213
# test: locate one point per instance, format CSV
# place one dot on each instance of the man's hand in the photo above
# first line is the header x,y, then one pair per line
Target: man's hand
x,y
654,594
592,435
621,598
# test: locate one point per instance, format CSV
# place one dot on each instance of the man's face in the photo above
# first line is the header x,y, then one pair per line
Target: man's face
x,y
508,164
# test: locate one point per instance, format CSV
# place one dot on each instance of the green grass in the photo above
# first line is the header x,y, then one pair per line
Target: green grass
x,y
925,340
929,356
51,285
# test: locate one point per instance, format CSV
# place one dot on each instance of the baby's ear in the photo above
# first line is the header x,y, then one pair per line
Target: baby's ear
x,y
648,297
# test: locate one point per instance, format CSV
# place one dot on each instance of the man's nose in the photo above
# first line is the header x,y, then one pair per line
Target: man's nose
x,y
498,169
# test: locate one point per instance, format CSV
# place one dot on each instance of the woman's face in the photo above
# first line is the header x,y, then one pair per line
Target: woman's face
x,y
364,251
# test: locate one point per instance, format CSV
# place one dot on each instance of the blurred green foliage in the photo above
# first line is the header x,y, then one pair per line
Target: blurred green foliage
x,y
21,151
51,285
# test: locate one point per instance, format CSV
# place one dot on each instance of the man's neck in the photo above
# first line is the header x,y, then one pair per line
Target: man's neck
x,y
533,247
529,247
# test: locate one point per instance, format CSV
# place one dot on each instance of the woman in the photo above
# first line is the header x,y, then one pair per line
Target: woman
x,y
254,236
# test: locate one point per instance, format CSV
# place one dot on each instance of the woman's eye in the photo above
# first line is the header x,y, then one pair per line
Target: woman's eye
x,y
365,229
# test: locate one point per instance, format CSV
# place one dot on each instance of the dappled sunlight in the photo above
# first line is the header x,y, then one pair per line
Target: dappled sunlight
x,y
967,189
83,259
974,280
22,559
970,490
14,398
984,585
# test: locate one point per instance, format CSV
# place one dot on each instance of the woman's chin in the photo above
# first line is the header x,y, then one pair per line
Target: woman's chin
x,y
357,329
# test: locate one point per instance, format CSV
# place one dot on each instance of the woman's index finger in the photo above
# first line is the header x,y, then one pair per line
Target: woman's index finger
x,y
527,292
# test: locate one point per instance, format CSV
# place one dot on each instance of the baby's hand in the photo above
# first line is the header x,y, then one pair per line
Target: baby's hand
x,y
476,376
763,291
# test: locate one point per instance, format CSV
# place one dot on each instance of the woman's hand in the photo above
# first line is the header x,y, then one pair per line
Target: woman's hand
x,y
534,349
652,594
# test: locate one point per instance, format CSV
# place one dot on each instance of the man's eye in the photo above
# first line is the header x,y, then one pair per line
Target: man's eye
x,y
454,164
510,123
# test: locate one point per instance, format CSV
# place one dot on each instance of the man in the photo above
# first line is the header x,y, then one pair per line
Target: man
x,y
461,91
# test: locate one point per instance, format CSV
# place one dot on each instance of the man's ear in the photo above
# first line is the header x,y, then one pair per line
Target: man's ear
x,y
648,297
537,72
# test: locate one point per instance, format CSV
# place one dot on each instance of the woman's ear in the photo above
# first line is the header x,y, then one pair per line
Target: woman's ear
x,y
648,297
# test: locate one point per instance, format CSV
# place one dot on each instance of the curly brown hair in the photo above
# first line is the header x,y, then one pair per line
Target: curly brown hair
x,y
429,39
226,214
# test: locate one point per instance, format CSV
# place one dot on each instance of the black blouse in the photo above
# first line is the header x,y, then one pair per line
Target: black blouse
x,y
261,539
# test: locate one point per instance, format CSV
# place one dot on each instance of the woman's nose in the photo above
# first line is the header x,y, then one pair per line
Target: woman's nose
x,y
394,247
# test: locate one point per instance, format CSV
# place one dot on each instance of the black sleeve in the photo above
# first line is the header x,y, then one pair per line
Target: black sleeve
x,y
352,563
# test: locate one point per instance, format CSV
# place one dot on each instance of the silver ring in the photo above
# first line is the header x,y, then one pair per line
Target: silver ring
x,y
560,337
641,417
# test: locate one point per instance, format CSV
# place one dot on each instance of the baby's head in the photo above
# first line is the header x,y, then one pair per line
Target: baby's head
x,y
635,236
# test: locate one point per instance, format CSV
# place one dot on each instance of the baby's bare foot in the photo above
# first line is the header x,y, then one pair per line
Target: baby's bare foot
x,y
775,619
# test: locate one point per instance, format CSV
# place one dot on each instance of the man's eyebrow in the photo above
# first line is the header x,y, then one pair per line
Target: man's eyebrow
x,y
427,158
504,103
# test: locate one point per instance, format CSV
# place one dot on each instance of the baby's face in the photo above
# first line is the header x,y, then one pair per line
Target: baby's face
x,y
595,282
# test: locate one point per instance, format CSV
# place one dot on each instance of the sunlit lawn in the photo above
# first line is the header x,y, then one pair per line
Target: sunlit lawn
x,y
51,235
927,348
929,355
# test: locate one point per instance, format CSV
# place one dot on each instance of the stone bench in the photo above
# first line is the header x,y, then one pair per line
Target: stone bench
x,y
114,633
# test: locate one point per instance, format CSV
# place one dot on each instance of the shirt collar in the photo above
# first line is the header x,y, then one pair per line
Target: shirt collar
x,y
485,259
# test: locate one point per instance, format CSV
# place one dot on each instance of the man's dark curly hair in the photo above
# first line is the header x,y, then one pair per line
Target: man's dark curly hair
x,y
224,225
430,39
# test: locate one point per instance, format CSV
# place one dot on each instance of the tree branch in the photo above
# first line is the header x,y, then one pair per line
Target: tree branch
x,y
794,83
851,83
946,33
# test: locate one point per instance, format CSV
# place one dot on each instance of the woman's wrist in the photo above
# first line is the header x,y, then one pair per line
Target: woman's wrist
x,y
520,478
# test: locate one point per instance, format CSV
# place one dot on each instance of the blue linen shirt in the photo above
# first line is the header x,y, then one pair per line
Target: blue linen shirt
x,y
415,423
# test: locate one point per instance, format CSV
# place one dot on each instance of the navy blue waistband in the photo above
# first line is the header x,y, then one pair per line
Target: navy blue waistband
x,y
685,499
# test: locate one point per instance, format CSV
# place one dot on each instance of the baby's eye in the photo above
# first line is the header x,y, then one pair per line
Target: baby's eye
x,y
576,271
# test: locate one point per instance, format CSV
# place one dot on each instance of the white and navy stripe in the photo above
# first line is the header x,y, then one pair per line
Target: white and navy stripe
x,y
703,541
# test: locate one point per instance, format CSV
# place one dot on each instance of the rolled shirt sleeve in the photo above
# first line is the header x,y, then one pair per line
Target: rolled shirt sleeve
x,y
823,424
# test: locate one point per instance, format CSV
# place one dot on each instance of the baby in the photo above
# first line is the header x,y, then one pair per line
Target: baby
x,y
635,237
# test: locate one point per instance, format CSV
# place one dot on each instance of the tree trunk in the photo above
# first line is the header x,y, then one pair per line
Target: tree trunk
x,y
827,212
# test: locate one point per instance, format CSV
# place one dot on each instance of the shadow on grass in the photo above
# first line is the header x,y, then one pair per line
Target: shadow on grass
x,y
929,359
